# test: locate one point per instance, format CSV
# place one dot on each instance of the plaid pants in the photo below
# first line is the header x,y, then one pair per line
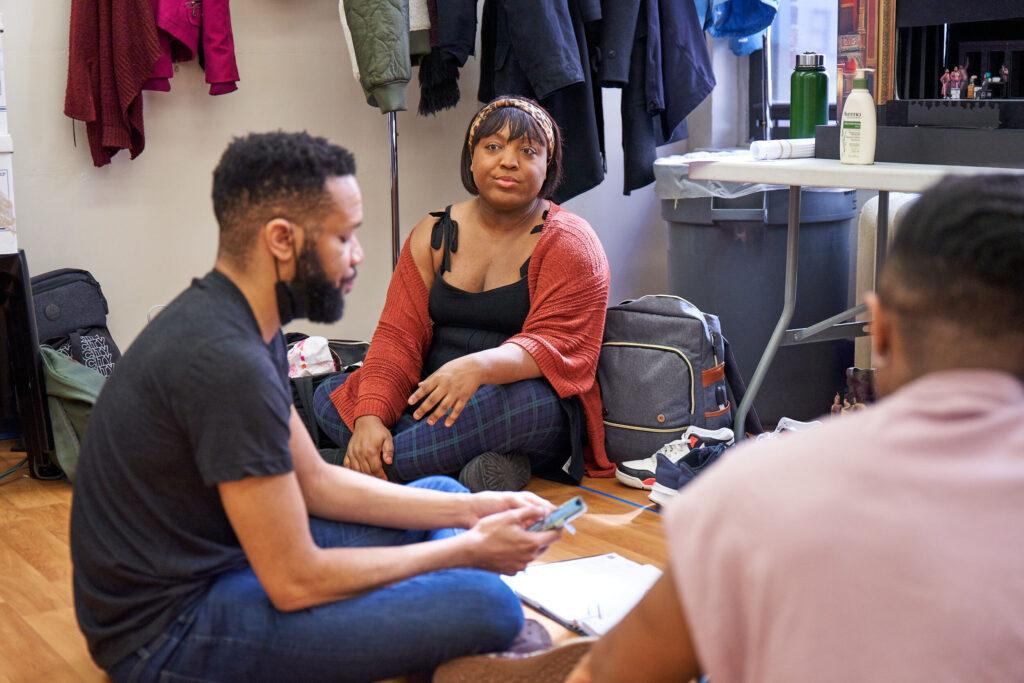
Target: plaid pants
x,y
524,417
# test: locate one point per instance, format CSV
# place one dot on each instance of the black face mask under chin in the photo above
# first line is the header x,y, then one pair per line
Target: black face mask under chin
x,y
310,294
291,300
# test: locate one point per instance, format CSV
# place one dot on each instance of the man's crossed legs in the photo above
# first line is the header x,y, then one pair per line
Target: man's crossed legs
x,y
234,632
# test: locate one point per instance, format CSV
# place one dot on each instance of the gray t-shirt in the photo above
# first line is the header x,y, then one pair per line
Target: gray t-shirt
x,y
198,399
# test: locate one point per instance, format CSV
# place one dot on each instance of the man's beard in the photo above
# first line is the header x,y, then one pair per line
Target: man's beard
x,y
311,294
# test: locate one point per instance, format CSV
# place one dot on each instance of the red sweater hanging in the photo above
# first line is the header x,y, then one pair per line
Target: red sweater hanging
x,y
188,27
112,50
568,281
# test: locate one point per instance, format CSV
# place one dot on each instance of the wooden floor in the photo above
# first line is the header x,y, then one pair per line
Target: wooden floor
x,y
619,519
39,638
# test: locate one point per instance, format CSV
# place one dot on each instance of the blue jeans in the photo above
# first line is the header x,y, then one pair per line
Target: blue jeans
x,y
234,633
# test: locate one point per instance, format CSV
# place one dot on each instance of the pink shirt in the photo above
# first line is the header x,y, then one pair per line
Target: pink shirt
x,y
887,545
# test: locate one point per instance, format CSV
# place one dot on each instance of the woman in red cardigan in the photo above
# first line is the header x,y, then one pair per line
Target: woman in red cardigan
x,y
484,361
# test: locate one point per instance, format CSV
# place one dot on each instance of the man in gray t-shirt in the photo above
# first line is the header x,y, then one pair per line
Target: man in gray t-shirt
x,y
209,539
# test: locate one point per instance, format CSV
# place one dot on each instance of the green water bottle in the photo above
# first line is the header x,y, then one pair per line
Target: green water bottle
x,y
808,95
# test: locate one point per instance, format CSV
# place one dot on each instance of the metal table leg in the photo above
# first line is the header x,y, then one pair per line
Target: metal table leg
x,y
881,234
789,305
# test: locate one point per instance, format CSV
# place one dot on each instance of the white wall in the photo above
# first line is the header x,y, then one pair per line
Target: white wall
x,y
631,229
145,227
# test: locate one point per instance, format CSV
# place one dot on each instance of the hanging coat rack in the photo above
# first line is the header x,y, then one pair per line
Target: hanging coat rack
x,y
395,232
766,85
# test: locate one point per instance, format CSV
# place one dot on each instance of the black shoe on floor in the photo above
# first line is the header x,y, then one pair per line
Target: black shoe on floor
x,y
493,471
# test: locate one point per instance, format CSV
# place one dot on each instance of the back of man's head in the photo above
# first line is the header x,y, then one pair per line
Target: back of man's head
x,y
954,279
272,175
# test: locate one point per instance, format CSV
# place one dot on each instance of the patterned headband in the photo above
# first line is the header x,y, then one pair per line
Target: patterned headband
x,y
542,118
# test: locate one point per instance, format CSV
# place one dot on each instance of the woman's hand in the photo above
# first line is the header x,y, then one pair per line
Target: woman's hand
x,y
370,447
447,391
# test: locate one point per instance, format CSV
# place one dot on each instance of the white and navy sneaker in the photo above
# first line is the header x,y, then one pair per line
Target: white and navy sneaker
x,y
671,476
641,474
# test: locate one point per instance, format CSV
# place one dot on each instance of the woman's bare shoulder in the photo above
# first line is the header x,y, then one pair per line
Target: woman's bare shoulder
x,y
419,245
421,231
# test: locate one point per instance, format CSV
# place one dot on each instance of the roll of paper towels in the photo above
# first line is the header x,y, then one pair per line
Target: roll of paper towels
x,y
769,150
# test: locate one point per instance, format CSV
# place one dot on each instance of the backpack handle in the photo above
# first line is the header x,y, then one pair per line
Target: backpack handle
x,y
697,313
739,388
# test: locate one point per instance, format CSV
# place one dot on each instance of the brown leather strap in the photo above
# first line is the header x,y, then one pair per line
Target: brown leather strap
x,y
715,374
720,411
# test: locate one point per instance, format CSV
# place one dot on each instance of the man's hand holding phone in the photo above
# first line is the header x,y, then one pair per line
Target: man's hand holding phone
x,y
486,503
514,529
562,517
501,543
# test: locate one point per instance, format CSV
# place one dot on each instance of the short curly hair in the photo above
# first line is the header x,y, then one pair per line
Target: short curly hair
x,y
272,173
958,257
520,124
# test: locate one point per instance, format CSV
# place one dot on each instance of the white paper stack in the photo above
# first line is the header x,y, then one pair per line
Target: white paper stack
x,y
590,594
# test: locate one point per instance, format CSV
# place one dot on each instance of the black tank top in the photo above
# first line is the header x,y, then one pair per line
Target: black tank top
x,y
467,322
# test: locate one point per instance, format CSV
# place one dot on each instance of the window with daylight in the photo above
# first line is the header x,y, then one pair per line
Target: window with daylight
x,y
802,26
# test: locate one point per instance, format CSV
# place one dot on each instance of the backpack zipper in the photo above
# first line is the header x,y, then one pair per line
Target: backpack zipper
x,y
673,430
670,349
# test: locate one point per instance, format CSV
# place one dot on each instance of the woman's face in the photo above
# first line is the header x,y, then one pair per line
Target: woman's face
x,y
509,174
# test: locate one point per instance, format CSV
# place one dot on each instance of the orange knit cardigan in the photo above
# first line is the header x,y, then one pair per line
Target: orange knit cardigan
x,y
568,279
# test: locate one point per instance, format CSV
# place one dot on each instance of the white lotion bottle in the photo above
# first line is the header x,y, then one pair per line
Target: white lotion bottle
x,y
859,128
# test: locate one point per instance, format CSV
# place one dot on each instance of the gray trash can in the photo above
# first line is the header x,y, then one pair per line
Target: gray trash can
x,y
728,257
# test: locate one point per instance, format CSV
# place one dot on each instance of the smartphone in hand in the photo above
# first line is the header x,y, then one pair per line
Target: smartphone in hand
x,y
561,517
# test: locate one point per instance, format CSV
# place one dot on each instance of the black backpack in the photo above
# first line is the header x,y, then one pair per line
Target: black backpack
x,y
348,355
71,317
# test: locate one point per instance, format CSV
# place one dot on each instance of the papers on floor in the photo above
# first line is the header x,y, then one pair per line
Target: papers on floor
x,y
590,594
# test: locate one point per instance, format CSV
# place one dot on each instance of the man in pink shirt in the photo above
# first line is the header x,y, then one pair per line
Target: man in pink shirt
x,y
888,545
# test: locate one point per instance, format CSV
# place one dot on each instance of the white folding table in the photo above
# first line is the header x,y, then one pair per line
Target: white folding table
x,y
823,173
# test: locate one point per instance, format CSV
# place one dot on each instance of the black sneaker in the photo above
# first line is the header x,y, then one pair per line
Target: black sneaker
x,y
640,474
493,471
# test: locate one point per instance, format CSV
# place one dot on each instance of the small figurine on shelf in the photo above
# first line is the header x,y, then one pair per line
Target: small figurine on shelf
x,y
850,407
956,81
837,406
860,392
1004,72
944,80
860,385
972,89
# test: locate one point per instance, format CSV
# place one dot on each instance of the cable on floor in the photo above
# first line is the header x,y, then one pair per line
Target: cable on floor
x,y
12,470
